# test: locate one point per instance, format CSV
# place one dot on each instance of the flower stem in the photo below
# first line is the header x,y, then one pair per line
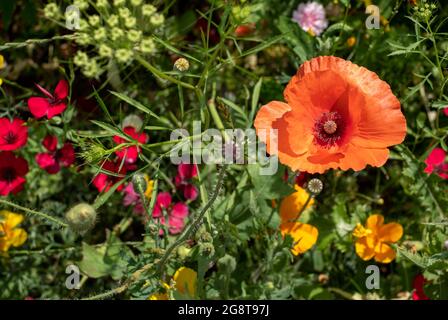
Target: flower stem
x,y
37,213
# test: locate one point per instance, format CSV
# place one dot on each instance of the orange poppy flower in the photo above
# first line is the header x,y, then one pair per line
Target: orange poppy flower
x,y
336,115
373,240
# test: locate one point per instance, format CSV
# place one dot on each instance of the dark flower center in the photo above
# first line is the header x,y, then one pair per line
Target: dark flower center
x,y
11,137
8,174
54,101
328,129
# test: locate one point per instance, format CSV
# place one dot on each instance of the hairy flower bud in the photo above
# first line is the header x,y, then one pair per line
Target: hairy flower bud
x,y
227,264
81,217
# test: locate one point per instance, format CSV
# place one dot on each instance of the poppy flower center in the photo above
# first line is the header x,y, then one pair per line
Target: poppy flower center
x,y
11,137
8,174
328,129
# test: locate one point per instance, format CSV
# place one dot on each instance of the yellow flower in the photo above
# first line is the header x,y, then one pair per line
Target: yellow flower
x,y
158,296
9,234
351,41
291,206
373,240
2,65
304,235
185,279
150,187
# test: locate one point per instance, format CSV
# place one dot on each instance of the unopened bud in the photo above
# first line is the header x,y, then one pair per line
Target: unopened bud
x,y
446,244
182,64
133,121
139,183
81,217
227,264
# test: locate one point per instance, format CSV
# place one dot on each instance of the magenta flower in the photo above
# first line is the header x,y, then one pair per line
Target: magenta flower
x,y
176,213
186,172
311,17
435,163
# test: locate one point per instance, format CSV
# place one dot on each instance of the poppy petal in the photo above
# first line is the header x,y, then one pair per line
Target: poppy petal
x,y
304,235
363,250
390,232
374,222
437,156
384,253
50,143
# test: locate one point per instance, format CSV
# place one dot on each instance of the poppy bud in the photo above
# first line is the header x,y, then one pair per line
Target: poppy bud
x,y
81,217
227,264
133,121
446,244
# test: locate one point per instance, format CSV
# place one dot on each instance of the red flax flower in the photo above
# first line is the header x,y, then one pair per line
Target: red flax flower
x,y
103,181
130,154
13,135
52,105
12,173
418,284
435,163
336,115
52,160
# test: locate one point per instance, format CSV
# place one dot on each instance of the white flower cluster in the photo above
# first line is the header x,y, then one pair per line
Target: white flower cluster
x,y
118,30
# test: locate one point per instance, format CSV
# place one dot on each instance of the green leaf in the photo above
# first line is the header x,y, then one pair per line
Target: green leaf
x,y
134,103
269,186
255,98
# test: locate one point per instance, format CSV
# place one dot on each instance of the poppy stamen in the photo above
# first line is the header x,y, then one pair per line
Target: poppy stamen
x,y
328,129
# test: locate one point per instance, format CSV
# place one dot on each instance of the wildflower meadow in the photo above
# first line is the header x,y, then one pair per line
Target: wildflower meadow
x,y
224,150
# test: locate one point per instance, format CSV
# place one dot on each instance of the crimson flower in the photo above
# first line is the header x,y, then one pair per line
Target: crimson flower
x,y
13,135
52,105
418,284
445,111
435,163
130,154
52,160
186,172
12,173
244,30
176,213
103,181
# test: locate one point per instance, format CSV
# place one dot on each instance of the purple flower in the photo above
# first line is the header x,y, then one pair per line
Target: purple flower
x,y
311,17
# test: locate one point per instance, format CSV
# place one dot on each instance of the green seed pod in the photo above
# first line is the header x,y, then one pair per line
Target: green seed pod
x,y
139,183
183,252
227,264
81,217
207,249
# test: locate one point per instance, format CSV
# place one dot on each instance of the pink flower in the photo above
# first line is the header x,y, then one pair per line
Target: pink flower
x,y
132,198
176,213
52,160
186,172
52,105
130,153
435,163
445,111
311,17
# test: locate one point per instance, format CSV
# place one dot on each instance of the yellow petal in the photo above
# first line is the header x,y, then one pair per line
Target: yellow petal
x,y
374,222
186,279
384,253
2,61
304,235
360,231
10,220
363,250
293,204
1,81
18,237
390,232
